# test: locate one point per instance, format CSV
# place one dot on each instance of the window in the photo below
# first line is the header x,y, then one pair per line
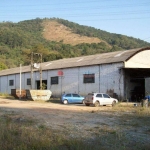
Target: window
x,y
106,96
75,95
89,78
54,80
28,81
99,95
11,82
68,95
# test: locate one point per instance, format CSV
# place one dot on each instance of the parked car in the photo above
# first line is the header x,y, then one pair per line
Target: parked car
x,y
99,99
71,98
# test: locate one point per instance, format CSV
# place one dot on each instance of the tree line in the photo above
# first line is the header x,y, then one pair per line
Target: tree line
x,y
18,40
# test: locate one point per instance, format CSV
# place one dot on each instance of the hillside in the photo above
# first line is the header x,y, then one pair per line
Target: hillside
x,y
56,39
54,31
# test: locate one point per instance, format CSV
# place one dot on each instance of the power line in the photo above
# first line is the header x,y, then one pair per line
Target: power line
x,y
83,2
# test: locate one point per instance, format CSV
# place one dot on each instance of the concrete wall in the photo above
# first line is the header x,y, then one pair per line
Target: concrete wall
x,y
108,78
112,79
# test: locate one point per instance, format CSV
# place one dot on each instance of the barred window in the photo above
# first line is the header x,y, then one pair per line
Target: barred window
x,y
28,81
54,80
11,82
88,78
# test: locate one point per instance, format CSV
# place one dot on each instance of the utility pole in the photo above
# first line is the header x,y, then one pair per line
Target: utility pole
x,y
40,69
31,70
41,72
20,84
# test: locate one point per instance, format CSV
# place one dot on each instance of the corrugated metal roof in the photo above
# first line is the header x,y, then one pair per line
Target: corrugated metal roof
x,y
111,57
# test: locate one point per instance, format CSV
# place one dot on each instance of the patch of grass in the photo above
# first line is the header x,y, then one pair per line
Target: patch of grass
x,y
20,133
4,94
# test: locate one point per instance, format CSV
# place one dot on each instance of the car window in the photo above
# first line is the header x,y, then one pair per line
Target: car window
x,y
99,95
75,95
68,95
106,96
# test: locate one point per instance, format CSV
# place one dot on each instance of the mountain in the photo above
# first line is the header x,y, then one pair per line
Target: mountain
x,y
55,39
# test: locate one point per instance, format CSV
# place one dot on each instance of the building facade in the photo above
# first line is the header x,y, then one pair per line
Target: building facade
x,y
122,74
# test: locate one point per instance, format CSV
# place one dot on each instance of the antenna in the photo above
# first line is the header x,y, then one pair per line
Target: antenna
x,y
37,66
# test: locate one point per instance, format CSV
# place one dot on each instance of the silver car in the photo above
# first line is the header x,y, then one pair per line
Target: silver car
x,y
99,99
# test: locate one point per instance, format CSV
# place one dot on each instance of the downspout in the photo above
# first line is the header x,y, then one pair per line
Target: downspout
x,y
78,80
121,74
119,83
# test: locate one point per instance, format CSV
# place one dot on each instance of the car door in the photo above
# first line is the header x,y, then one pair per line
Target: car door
x,y
100,98
68,97
107,99
75,98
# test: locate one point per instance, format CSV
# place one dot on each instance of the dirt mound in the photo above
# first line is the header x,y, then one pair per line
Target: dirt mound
x,y
55,31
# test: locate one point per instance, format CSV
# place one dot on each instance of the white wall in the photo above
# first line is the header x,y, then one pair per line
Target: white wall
x,y
4,84
108,77
112,79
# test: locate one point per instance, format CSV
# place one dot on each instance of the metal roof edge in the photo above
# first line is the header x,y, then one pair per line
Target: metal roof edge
x,y
138,50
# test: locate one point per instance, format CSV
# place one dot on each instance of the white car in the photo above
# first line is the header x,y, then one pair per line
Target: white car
x,y
99,99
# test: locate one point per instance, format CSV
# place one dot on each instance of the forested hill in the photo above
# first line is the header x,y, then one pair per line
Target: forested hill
x,y
55,39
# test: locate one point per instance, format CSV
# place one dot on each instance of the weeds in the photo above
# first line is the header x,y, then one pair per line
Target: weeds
x,y
20,133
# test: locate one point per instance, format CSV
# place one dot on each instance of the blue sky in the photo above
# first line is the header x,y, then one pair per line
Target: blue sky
x,y
131,18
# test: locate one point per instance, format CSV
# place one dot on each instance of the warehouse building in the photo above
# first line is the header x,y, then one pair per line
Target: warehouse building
x,y
122,74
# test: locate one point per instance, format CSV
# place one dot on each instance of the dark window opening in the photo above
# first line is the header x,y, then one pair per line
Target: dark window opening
x,y
54,80
44,84
89,78
28,81
11,82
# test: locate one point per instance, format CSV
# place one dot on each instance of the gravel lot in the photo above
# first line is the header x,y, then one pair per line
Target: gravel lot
x,y
79,121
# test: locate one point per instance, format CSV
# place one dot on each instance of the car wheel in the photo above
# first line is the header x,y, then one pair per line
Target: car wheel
x,y
113,103
65,101
87,104
97,104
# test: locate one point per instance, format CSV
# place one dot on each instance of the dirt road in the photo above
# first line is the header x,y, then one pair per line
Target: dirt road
x,y
79,120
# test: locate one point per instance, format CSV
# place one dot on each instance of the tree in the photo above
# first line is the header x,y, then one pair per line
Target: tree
x,y
3,66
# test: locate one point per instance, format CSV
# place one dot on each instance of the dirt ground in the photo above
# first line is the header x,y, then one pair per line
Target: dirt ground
x,y
78,120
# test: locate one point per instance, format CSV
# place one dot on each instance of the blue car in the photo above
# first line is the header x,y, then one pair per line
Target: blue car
x,y
72,98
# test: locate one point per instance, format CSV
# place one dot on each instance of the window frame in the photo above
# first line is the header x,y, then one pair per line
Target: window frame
x,y
28,81
89,78
54,80
11,82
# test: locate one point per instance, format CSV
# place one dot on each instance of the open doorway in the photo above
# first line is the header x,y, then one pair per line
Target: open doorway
x,y
137,91
135,87
44,83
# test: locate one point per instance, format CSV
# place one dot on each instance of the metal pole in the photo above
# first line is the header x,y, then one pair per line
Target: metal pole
x,y
31,70
20,83
41,73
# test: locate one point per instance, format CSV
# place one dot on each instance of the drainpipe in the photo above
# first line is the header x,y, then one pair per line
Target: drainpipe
x,y
20,83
